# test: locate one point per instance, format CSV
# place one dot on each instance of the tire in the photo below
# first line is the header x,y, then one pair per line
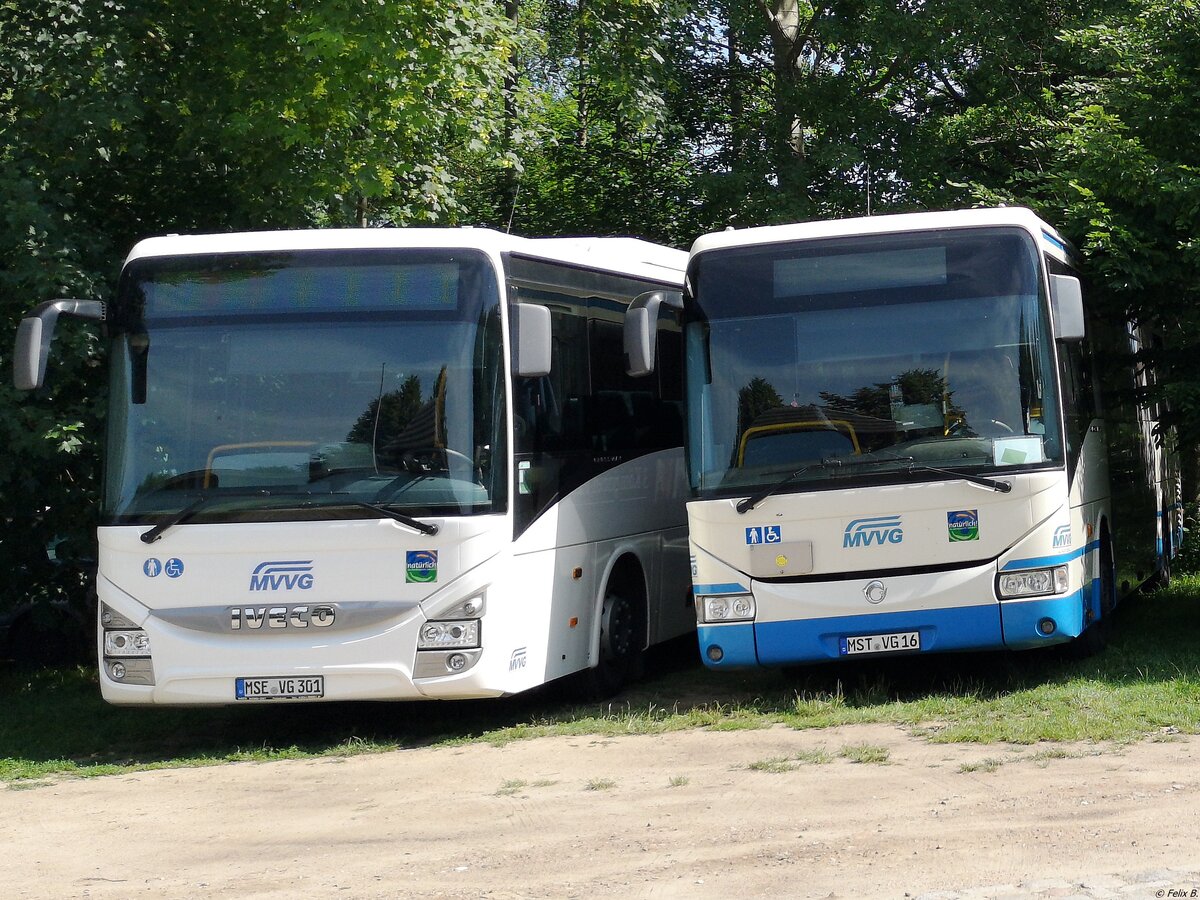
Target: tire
x,y
620,651
1095,637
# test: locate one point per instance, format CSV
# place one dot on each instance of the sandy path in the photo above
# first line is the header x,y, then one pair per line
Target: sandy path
x,y
683,817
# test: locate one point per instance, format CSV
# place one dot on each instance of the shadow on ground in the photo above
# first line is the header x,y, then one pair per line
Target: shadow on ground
x,y
57,714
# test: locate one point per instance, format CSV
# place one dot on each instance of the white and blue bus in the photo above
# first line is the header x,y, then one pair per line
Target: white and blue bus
x,y
382,464
896,442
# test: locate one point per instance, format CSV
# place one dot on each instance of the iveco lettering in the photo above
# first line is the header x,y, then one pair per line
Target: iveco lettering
x,y
384,464
914,405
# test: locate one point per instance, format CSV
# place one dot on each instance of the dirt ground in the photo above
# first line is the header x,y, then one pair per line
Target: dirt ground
x,y
677,815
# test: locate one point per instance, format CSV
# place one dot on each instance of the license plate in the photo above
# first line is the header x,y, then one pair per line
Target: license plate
x,y
881,643
282,688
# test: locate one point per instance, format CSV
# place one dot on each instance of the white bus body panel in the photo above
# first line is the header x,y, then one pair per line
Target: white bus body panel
x,y
942,588
541,621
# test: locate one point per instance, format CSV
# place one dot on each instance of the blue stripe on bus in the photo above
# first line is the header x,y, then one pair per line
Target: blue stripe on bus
x,y
1055,241
1041,562
815,640
703,589
736,643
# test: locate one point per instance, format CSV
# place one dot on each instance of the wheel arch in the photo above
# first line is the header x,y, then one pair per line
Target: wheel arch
x,y
624,571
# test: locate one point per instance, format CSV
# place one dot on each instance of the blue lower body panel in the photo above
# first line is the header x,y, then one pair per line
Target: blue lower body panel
x,y
1023,619
818,640
1011,624
732,644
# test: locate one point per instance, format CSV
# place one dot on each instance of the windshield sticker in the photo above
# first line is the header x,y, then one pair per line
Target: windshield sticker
x,y
963,525
155,567
421,566
764,534
877,530
1017,451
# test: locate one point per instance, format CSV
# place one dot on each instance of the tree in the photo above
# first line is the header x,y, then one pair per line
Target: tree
x,y
120,120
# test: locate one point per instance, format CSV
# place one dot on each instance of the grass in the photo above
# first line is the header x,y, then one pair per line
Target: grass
x,y
1145,685
865,753
600,784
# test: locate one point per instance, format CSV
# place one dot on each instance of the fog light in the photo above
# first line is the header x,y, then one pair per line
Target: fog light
x,y
456,662
117,670
715,653
1047,626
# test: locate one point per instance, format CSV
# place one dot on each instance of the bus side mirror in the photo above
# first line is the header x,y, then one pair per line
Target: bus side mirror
x,y
531,340
641,329
1066,297
35,333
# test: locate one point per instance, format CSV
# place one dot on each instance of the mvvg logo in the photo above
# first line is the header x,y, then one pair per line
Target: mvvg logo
x,y
283,575
1062,536
877,530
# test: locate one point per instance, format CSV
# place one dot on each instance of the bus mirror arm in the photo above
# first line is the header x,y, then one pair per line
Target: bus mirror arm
x,y
641,324
35,333
1066,296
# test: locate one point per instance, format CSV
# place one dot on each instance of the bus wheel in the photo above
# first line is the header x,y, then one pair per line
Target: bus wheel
x,y
620,648
1095,636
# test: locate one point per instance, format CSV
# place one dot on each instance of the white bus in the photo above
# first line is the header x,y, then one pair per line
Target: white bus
x,y
896,444
382,464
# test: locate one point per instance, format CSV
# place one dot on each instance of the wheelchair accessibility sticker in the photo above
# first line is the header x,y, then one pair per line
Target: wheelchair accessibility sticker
x,y
764,534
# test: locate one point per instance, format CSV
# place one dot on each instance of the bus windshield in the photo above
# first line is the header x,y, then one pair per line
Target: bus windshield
x,y
289,386
868,358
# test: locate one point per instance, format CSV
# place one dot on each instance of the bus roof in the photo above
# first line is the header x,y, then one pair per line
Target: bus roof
x,y
621,255
1052,242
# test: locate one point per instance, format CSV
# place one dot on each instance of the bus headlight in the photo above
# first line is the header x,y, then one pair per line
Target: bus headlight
x,y
447,635
737,608
1034,582
126,643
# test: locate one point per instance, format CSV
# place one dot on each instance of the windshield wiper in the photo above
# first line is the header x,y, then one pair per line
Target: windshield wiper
x,y
744,506
204,500
982,480
753,500
427,528
910,465
182,515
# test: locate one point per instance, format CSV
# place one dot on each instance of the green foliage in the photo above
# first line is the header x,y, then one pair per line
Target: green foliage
x,y
121,120
655,118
